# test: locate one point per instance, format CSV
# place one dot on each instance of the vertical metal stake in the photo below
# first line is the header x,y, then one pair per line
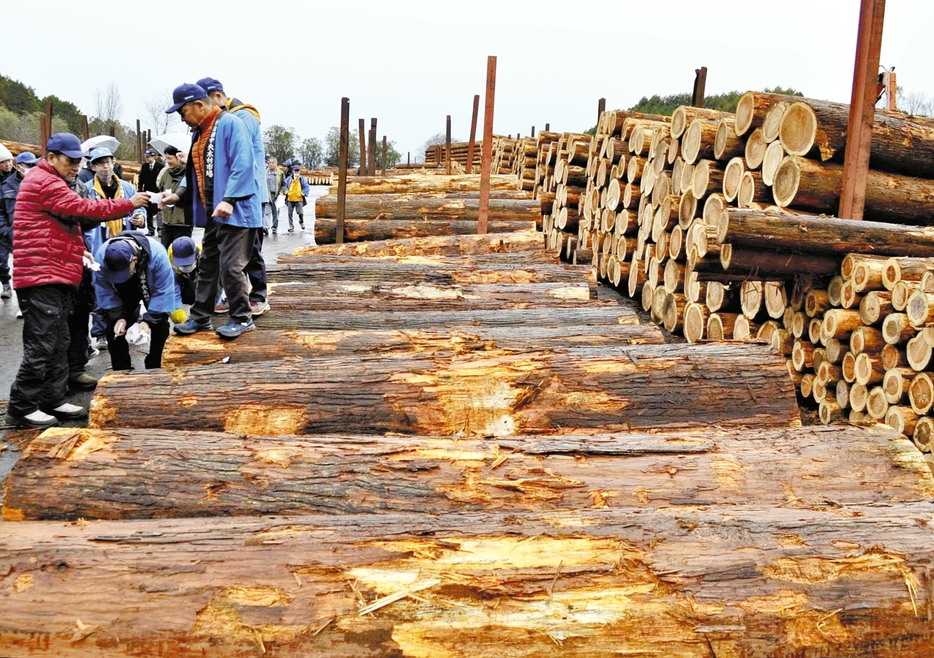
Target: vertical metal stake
x,y
473,133
486,162
342,174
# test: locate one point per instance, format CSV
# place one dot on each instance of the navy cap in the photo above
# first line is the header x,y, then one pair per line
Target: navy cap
x,y
150,153
296,167
117,259
185,93
26,158
98,153
210,85
184,253
66,144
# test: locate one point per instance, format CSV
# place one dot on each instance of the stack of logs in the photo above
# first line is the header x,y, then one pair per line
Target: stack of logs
x,y
505,151
662,208
434,437
421,205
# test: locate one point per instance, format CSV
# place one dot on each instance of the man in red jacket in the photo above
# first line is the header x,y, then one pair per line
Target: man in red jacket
x,y
48,256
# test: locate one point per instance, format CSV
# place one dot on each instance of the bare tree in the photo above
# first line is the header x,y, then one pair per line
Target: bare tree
x,y
109,105
155,118
915,103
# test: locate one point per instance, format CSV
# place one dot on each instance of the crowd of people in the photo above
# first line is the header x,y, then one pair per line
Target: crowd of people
x,y
97,263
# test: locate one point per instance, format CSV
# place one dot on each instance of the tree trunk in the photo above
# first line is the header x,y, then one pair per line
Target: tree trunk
x,y
771,264
552,391
360,230
202,349
409,207
425,184
808,185
448,246
686,581
768,230
72,473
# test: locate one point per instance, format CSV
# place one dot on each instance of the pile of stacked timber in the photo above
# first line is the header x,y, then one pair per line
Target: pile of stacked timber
x,y
525,162
504,150
413,205
668,225
430,437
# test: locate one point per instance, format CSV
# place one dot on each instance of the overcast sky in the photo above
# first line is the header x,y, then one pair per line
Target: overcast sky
x,y
409,63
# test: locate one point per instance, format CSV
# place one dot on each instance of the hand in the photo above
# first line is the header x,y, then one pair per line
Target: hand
x,y
169,199
137,220
140,199
88,256
144,328
119,327
223,210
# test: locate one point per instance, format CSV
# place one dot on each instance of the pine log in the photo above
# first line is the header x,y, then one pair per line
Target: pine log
x,y
807,185
360,230
425,184
449,246
687,581
409,207
759,228
72,473
542,391
763,263
726,143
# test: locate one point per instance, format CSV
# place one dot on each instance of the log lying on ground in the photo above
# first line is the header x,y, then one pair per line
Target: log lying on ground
x,y
398,296
409,207
70,473
727,580
428,183
358,230
204,349
764,229
560,391
594,313
458,245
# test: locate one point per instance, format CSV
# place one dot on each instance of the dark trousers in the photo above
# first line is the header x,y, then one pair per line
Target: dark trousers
x,y
256,269
78,321
299,207
225,252
274,212
4,263
120,349
172,231
42,380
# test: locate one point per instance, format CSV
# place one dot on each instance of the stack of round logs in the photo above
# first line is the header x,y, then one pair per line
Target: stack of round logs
x,y
660,208
505,150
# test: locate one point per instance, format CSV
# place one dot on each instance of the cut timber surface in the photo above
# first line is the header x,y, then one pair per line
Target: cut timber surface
x,y
425,184
459,245
70,473
205,349
408,206
556,391
358,230
724,580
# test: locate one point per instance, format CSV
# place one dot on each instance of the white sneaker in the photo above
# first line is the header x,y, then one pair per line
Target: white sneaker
x,y
40,418
70,411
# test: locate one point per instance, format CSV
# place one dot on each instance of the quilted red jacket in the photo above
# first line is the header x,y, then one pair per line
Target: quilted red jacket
x,y
47,240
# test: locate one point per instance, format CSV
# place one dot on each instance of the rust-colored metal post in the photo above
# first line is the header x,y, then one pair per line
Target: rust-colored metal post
x,y
362,170
473,133
383,159
486,161
342,172
547,127
533,132
87,131
371,156
601,108
700,87
862,109
447,146
139,143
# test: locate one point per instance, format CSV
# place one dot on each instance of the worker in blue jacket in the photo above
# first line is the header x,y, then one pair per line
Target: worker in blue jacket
x,y
135,270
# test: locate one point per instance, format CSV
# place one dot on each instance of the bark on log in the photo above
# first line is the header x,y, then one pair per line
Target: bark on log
x,y
449,246
807,185
361,230
409,207
558,391
768,263
425,183
688,582
761,228
72,473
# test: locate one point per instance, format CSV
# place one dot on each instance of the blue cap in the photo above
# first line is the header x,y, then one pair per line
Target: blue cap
x,y
26,158
210,85
117,259
184,253
66,144
296,167
150,153
100,152
185,93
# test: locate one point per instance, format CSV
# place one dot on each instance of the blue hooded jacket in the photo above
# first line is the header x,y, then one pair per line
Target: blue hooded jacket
x,y
164,296
234,177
